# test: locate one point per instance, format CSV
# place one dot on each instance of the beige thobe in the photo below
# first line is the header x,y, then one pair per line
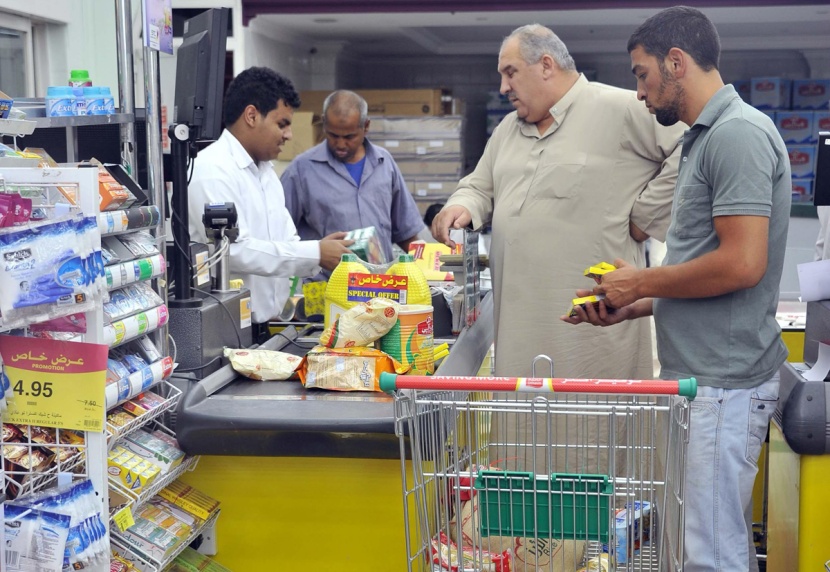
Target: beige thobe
x,y
561,202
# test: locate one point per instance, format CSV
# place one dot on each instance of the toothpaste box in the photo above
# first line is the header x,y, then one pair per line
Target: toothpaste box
x,y
802,161
811,94
771,92
796,126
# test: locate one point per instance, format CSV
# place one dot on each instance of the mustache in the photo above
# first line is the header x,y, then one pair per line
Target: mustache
x,y
511,95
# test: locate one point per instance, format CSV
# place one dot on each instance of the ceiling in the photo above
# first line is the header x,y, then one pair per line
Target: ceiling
x,y
799,27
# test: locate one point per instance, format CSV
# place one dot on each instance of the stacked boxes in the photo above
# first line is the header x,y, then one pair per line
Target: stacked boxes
x,y
800,109
498,106
428,151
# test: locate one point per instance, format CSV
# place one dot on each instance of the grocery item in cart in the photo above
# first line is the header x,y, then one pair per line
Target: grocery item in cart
x,y
417,287
267,365
346,369
361,325
337,290
529,553
446,554
410,340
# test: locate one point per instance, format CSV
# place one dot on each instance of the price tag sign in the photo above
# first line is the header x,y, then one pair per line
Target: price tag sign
x,y
124,519
55,383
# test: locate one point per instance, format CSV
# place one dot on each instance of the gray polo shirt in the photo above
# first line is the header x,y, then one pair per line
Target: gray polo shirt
x,y
733,162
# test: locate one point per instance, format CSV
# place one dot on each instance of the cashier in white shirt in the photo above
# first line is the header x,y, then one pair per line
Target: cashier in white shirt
x,y
259,107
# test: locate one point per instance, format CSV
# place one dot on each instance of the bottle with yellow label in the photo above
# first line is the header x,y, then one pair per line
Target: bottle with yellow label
x,y
337,289
417,289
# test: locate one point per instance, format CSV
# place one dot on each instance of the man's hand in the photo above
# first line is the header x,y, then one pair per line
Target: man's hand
x,y
596,317
620,286
332,248
451,217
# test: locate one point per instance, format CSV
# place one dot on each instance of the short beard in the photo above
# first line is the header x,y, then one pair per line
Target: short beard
x,y
670,114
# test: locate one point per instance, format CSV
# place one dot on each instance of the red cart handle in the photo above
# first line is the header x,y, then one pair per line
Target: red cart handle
x,y
389,382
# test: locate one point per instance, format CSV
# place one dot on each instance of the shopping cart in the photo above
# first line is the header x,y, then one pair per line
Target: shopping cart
x,y
501,475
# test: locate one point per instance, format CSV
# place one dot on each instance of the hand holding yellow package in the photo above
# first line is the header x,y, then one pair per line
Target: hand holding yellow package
x,y
362,324
267,365
347,369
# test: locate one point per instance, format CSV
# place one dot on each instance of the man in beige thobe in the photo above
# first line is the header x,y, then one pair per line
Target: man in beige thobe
x,y
580,173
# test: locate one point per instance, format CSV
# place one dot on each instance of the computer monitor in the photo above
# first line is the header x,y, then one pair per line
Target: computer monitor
x,y
821,184
200,73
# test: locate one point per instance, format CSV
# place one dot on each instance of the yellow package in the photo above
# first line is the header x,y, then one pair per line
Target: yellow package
x,y
593,300
314,297
598,270
347,369
362,324
268,365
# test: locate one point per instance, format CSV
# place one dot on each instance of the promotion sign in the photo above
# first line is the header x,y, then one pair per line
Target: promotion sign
x,y
54,383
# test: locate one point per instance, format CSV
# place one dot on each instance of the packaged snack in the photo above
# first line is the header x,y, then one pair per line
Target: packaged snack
x,y
119,417
267,365
366,245
144,403
597,271
361,325
347,369
193,501
592,299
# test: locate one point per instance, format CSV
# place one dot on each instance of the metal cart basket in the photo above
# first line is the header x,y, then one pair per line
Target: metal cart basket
x,y
527,474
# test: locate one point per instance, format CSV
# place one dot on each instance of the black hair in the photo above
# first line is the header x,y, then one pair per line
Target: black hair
x,y
432,211
261,87
679,27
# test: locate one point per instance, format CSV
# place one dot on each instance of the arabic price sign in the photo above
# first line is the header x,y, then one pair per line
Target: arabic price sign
x,y
54,383
364,287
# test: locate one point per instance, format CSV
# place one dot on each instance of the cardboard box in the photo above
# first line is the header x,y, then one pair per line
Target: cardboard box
x,y
446,127
771,92
420,147
189,499
306,132
796,127
821,122
388,101
802,161
811,94
451,168
432,187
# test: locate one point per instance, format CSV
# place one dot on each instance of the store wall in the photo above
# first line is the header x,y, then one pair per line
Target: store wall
x,y
471,77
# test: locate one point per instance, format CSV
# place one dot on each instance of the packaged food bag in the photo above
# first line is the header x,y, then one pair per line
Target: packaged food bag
x,y
361,325
267,365
346,369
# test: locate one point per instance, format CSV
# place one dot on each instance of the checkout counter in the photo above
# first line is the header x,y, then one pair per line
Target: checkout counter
x,y
307,479
799,442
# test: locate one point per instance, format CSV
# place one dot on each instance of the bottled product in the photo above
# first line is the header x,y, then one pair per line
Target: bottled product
x,y
337,290
60,101
79,78
417,289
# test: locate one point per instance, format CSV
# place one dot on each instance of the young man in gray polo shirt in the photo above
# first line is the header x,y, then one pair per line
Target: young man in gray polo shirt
x,y
714,299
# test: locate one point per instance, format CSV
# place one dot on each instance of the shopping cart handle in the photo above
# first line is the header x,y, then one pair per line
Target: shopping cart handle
x,y
389,382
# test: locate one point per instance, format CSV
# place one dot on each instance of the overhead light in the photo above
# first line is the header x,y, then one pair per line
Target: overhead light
x,y
481,19
325,20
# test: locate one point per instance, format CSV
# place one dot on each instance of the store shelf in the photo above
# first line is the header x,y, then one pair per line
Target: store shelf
x,y
148,564
124,273
123,331
83,120
115,432
26,481
147,493
128,220
17,126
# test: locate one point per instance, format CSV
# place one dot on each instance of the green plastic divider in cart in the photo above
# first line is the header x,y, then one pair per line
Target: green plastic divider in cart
x,y
564,506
